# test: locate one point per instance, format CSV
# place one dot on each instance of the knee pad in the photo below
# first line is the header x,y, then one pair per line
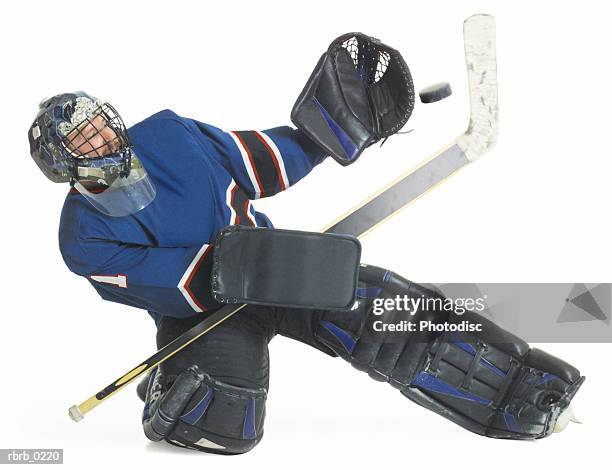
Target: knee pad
x,y
489,381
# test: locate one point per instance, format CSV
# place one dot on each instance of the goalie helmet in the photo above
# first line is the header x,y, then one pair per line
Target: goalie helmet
x,y
79,139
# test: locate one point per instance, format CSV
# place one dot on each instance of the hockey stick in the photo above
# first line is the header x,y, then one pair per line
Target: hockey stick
x,y
480,137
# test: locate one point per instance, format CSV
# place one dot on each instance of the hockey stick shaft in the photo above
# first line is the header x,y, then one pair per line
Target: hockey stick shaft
x,y
77,412
479,40
400,193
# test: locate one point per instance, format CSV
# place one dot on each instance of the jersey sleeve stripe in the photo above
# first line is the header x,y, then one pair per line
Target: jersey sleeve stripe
x,y
247,212
195,283
249,164
183,284
277,158
250,213
239,205
266,165
229,196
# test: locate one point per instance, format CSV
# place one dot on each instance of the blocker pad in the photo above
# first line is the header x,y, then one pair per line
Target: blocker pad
x,y
285,268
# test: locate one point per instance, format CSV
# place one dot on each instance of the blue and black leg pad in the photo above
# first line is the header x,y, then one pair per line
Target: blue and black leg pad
x,y
489,381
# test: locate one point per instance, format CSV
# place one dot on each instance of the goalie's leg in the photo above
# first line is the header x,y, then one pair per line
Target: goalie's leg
x,y
489,382
211,395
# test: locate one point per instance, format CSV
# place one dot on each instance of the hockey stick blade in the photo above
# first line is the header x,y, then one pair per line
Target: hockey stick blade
x,y
480,137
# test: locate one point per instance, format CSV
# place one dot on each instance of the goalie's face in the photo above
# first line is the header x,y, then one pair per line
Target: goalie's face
x,y
93,138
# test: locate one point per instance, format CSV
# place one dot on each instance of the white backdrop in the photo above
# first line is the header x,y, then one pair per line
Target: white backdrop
x,y
535,209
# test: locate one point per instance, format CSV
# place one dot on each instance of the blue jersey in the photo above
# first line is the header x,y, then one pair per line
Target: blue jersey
x,y
159,258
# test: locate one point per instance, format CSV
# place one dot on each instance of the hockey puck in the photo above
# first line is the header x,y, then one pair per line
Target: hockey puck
x,y
435,92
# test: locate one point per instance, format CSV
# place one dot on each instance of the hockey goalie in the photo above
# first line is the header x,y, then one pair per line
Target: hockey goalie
x,y
160,217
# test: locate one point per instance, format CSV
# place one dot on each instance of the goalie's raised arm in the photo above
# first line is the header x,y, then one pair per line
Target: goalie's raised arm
x,y
264,163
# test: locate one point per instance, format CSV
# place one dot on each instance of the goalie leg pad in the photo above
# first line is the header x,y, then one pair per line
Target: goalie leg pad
x,y
487,389
221,418
201,413
490,381
210,396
